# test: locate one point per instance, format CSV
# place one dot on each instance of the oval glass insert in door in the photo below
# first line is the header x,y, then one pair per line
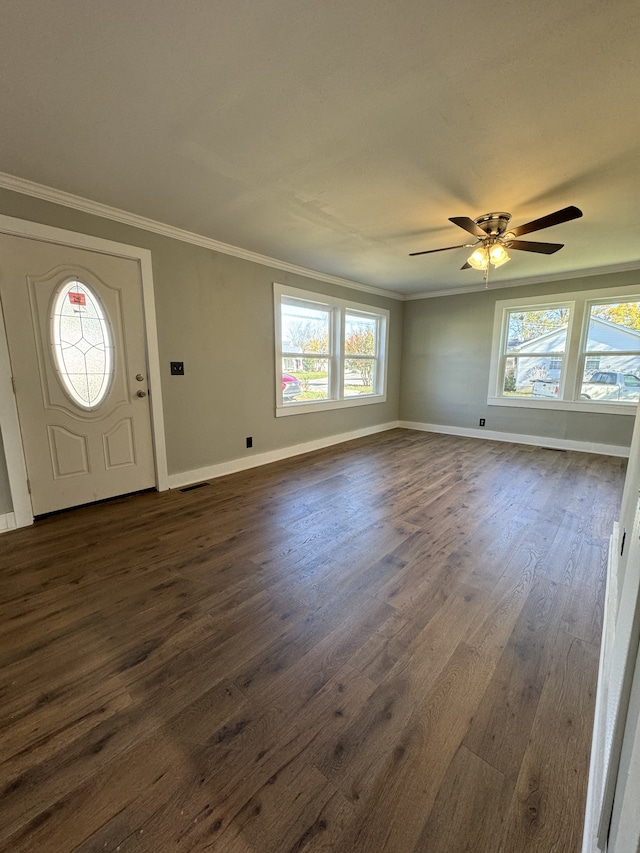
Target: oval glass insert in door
x,y
82,344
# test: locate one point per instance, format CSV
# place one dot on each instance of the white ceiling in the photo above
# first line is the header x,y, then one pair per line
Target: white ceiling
x,y
338,136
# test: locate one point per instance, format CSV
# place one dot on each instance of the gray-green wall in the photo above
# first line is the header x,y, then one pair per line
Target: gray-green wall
x,y
446,355
215,313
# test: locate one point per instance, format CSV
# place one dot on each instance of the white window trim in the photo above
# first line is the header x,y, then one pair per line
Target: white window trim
x,y
579,303
339,307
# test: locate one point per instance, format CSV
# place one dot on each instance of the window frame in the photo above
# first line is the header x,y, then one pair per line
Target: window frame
x,y
338,309
575,355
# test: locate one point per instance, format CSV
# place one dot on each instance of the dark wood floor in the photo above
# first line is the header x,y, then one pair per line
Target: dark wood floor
x,y
390,645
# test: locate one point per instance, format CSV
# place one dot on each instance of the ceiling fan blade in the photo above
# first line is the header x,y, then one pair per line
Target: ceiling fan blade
x,y
468,225
466,266
430,251
530,246
564,215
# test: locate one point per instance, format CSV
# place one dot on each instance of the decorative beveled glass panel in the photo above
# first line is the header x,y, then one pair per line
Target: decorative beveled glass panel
x,y
82,344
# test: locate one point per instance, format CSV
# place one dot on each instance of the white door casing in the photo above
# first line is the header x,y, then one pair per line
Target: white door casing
x,y
74,455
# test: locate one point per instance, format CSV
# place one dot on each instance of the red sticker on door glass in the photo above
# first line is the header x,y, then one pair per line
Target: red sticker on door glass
x,y
77,299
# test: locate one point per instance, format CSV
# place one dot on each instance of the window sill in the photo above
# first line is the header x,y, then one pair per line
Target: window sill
x,y
565,405
325,405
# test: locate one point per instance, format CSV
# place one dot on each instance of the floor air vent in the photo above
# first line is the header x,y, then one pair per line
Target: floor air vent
x,y
191,488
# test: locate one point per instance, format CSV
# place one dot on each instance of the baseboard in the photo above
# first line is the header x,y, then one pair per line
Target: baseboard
x,y
515,438
8,521
233,466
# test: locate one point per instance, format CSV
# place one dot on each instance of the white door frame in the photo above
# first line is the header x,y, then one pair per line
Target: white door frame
x,y
9,422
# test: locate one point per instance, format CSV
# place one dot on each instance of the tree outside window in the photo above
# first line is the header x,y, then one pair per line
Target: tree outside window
x,y
360,344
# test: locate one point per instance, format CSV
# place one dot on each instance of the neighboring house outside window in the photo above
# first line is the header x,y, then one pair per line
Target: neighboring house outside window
x,y
591,363
330,353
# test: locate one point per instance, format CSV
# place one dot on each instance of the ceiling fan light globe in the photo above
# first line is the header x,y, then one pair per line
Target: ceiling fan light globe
x,y
479,259
498,255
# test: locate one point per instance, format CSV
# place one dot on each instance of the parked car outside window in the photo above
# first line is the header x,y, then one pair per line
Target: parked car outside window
x,y
544,388
290,387
611,385
601,385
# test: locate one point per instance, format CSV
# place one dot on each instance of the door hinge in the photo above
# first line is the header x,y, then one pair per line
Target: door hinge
x,y
13,385
29,485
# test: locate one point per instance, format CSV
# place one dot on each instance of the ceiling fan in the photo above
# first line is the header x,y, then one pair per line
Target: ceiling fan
x,y
495,237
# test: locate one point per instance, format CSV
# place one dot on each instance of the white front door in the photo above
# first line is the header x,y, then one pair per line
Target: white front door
x,y
75,330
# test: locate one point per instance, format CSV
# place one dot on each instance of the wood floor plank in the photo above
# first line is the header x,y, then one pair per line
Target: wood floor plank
x,y
401,799
548,801
246,756
39,786
460,820
499,732
354,762
150,768
386,645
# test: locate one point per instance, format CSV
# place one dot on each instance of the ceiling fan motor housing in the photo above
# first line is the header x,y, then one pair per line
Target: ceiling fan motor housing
x,y
493,224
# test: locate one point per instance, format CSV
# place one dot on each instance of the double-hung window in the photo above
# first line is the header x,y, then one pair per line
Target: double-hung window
x,y
330,353
578,351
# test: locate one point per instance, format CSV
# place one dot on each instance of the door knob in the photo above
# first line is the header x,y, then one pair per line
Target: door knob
x,y
141,393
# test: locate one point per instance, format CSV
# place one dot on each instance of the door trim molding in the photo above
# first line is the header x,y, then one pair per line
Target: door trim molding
x,y
9,422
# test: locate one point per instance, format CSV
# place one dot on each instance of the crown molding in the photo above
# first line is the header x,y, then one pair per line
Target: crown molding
x,y
629,266
85,205
95,208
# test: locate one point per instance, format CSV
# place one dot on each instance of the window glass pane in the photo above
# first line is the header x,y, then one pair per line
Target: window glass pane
x,y
614,327
532,377
304,379
82,346
616,380
359,376
305,328
359,335
538,331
